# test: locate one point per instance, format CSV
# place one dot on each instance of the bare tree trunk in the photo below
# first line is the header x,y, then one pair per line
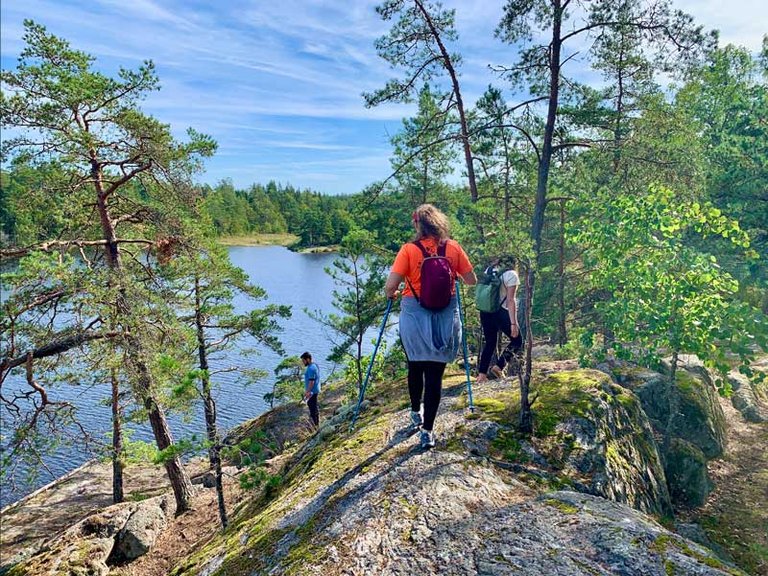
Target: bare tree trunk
x,y
541,206
117,441
673,402
562,336
209,406
526,418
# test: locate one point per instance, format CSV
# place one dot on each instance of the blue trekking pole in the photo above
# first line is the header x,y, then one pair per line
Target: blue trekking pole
x,y
464,344
370,365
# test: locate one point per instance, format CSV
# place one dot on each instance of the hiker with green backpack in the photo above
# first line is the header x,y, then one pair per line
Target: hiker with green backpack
x,y
496,299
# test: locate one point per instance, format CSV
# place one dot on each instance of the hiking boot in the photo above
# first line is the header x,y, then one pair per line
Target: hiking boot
x,y
496,371
416,419
427,439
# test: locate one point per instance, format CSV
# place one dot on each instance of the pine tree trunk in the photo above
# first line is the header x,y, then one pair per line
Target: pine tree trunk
x,y
673,402
562,335
118,494
526,424
526,417
209,406
465,143
182,487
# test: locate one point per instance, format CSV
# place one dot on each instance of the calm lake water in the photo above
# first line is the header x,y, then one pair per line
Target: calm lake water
x,y
297,280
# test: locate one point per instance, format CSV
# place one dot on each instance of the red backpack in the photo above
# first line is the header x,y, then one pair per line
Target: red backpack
x,y
436,279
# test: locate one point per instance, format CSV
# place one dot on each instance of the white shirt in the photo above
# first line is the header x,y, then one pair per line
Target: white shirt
x,y
508,280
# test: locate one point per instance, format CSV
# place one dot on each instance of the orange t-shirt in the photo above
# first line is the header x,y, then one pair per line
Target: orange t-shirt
x,y
409,258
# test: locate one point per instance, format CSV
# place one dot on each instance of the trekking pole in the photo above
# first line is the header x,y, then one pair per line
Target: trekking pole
x,y
464,345
370,365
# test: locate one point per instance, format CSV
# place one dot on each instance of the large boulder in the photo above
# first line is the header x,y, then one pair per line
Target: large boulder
x,y
139,533
596,433
88,548
82,549
748,398
687,476
700,420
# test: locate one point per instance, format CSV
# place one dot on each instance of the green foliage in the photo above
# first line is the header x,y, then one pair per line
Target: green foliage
x,y
183,447
251,453
358,298
139,452
666,296
318,220
288,383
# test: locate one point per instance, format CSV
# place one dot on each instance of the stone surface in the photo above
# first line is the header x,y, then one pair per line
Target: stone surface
x,y
117,533
746,398
602,439
139,533
373,502
81,549
700,419
687,475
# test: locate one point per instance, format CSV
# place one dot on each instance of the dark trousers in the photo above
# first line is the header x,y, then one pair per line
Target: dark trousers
x,y
314,413
426,378
492,322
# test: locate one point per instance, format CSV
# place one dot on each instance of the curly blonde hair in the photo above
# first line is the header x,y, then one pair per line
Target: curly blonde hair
x,y
430,221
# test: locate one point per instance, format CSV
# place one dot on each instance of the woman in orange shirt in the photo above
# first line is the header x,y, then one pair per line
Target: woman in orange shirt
x,y
430,338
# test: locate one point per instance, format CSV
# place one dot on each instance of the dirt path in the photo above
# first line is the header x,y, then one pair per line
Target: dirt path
x,y
736,513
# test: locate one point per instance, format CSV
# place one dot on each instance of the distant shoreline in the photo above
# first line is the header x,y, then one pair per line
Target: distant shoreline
x,y
286,240
259,240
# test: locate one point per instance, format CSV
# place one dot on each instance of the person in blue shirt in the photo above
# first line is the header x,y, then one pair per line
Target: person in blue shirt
x,y
311,386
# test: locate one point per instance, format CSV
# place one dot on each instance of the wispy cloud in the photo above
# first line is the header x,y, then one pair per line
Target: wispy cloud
x,y
278,84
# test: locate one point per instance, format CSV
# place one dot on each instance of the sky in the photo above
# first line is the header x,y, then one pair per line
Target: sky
x,y
278,83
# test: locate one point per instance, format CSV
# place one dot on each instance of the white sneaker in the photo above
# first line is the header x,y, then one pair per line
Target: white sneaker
x,y
427,439
416,419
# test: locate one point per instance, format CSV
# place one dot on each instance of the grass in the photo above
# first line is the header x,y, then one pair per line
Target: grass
x,y
259,240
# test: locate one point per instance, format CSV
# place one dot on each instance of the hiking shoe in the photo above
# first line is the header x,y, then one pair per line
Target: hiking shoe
x,y
416,419
427,439
498,372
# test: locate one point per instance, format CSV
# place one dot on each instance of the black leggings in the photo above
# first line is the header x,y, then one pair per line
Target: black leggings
x,y
427,378
492,322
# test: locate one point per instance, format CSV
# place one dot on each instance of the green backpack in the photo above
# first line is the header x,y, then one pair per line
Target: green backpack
x,y
487,291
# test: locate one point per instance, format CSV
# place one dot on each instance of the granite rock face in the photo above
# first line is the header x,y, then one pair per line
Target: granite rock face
x,y
371,501
686,470
700,420
139,533
93,544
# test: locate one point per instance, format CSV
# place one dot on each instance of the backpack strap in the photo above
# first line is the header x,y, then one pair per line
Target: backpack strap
x,y
420,246
426,254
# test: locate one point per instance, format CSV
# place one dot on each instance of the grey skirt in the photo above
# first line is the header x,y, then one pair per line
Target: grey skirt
x,y
428,335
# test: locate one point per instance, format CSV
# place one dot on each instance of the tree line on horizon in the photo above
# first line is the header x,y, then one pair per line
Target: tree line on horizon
x,y
636,211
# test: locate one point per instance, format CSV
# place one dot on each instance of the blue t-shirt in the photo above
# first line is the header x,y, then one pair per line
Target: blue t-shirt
x,y
312,373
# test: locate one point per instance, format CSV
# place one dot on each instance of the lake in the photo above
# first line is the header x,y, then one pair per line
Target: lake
x,y
297,280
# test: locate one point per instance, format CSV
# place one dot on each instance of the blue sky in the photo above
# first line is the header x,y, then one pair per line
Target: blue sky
x,y
278,83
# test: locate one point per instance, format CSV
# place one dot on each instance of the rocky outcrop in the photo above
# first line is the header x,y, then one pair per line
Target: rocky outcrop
x,y
700,420
698,432
686,470
139,533
748,398
595,433
115,534
372,502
